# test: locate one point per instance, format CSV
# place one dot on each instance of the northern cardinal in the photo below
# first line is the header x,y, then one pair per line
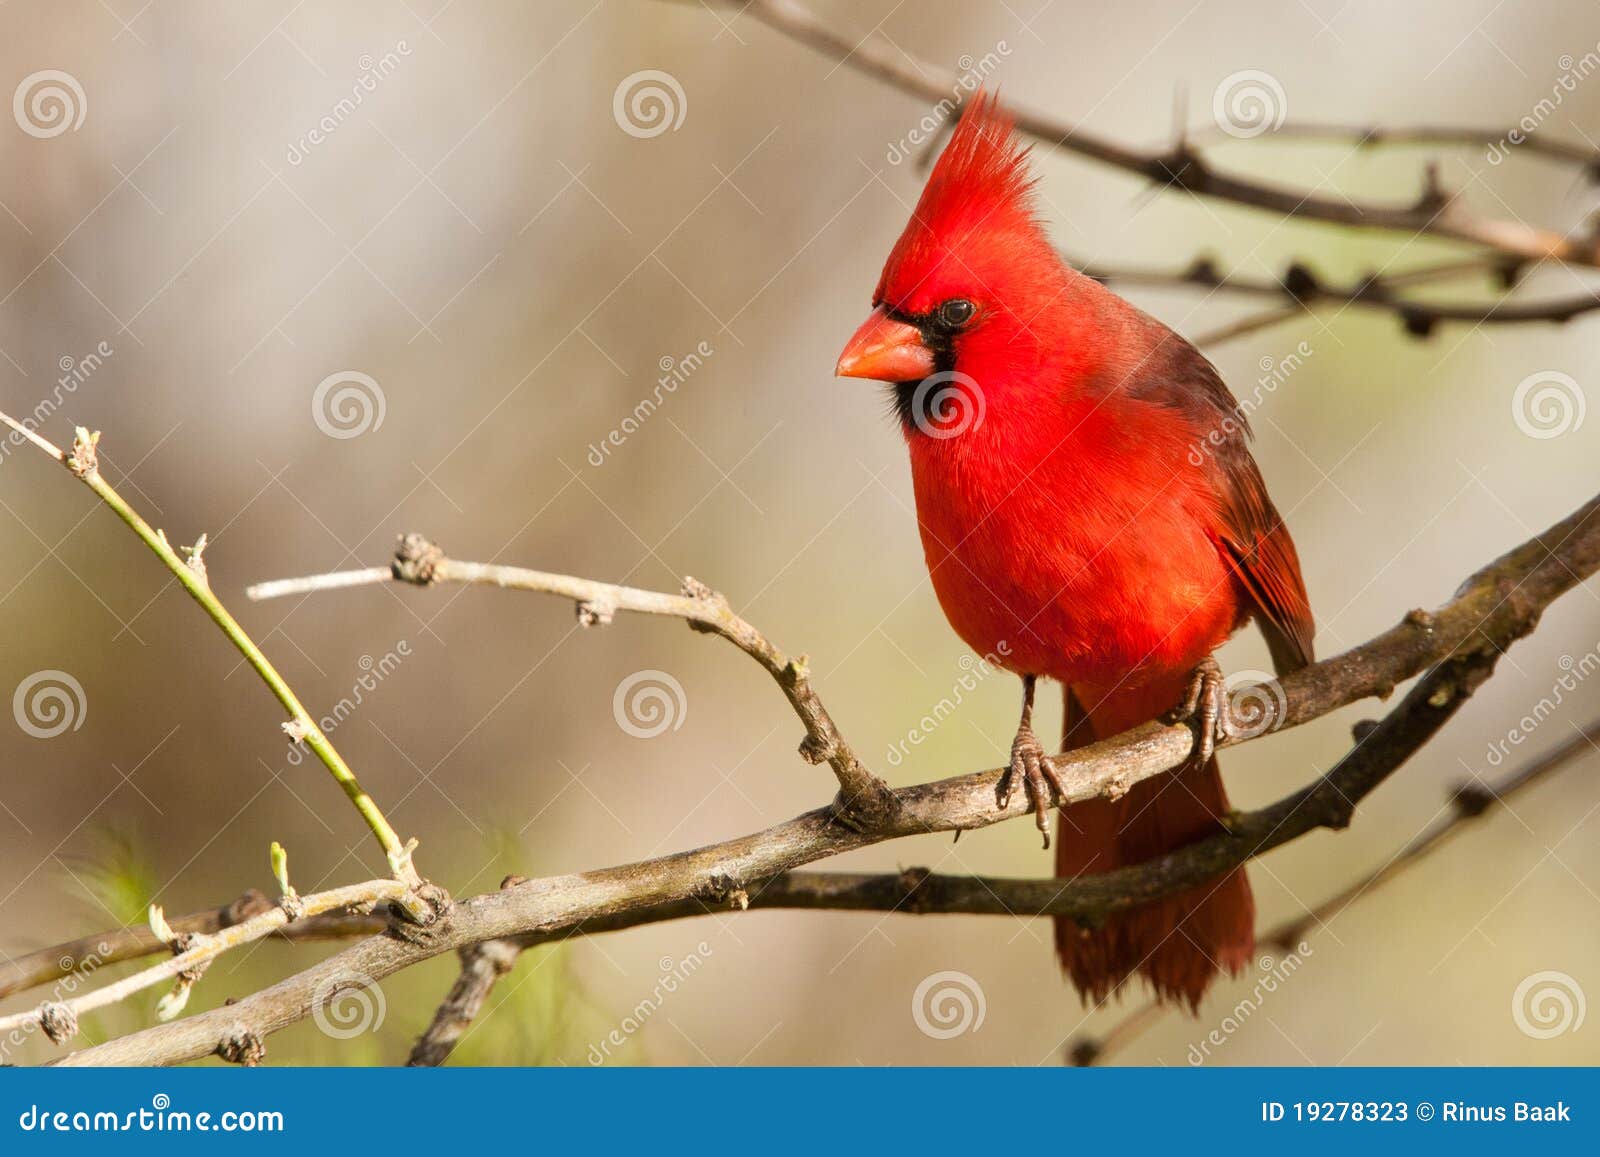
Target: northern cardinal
x,y
1086,497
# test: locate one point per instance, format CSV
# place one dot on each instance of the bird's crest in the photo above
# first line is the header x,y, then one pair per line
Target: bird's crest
x,y
981,186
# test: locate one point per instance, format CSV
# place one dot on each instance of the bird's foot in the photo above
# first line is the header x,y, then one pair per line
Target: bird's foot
x,y
1202,705
1038,774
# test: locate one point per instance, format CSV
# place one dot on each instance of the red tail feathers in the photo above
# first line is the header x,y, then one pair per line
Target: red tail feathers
x,y
1180,943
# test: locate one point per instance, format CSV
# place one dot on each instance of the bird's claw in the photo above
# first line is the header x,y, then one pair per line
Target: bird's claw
x,y
1039,777
1202,705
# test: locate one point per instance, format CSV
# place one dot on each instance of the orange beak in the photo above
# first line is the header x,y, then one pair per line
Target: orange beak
x,y
885,350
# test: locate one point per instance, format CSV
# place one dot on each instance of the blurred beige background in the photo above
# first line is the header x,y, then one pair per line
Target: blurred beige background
x,y
511,270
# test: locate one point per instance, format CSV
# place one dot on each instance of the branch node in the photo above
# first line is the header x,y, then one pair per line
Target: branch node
x,y
196,561
59,1022
1472,799
1423,620
911,884
416,559
815,749
1085,1052
418,916
595,613
84,460
242,1046
1300,283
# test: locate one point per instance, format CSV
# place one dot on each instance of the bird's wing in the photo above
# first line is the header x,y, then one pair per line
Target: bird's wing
x,y
1252,535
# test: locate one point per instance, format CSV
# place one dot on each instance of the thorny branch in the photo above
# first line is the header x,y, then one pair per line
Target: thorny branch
x,y
1457,646
1301,286
1435,211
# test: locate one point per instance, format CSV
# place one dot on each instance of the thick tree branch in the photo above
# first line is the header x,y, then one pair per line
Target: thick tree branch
x,y
1181,166
1457,646
1468,802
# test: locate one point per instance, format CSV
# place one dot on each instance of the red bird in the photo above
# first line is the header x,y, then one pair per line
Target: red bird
x,y
1087,499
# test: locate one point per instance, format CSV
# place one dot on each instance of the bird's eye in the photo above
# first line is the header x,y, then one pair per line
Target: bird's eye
x,y
956,312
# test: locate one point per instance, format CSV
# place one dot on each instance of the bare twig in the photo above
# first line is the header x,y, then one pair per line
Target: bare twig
x,y
1469,801
1457,645
117,945
1181,166
1301,287
864,800
83,462
59,1019
1377,136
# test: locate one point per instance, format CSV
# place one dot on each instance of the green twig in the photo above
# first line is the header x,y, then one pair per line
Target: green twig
x,y
83,461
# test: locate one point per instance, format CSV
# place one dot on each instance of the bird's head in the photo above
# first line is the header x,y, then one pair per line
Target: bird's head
x,y
970,298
